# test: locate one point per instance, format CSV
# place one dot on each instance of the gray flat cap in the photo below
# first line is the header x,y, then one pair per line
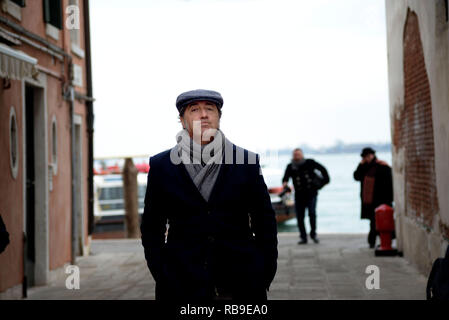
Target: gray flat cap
x,y
185,98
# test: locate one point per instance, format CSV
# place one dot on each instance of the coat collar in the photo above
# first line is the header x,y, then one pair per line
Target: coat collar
x,y
224,168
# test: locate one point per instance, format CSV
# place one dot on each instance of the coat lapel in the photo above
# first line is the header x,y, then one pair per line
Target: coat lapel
x,y
224,171
191,185
216,188
185,177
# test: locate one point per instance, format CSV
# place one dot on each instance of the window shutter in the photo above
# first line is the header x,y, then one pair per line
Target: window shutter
x,y
19,2
53,13
46,11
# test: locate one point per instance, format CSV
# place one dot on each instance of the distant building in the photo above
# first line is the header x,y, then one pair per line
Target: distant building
x,y
46,126
418,63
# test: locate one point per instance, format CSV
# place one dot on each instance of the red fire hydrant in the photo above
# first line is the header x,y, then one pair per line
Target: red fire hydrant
x,y
385,226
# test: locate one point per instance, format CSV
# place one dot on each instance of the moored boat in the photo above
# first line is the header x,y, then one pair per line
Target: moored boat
x,y
282,203
109,205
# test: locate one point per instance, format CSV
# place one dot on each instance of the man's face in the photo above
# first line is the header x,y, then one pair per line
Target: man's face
x,y
204,111
368,158
297,155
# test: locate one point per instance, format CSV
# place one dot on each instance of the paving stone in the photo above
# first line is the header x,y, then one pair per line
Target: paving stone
x,y
308,294
333,269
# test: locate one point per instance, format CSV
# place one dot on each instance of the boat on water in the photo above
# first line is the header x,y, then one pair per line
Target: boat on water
x,y
109,204
283,204
281,200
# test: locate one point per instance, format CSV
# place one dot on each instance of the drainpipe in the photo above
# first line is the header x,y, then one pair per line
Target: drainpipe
x,y
69,95
68,91
72,166
90,117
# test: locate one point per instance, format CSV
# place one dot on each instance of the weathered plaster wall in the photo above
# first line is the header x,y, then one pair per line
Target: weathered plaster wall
x,y
422,240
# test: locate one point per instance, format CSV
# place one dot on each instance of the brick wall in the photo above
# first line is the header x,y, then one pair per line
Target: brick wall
x,y
414,129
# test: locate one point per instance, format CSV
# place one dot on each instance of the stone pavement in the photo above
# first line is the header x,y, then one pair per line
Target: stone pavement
x,y
333,269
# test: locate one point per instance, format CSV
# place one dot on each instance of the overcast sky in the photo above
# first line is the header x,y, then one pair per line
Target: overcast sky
x,y
291,72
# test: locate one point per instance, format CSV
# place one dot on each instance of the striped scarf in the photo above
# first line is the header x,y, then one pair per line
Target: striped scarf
x,y
203,163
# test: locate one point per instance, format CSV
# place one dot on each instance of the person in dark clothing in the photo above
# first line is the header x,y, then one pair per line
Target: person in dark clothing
x,y
308,177
221,240
4,236
376,188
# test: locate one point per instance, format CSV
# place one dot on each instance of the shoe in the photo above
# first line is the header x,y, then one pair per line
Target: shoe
x,y
302,242
371,246
316,240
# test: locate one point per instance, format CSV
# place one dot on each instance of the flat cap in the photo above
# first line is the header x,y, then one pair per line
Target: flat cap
x,y
185,98
367,151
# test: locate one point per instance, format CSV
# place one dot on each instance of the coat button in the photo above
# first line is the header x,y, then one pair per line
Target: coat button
x,y
211,239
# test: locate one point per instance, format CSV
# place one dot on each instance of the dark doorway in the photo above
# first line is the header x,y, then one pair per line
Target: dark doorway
x,y
30,241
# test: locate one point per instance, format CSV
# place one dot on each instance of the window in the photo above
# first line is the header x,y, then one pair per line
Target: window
x,y
19,2
54,145
53,13
13,8
77,75
13,143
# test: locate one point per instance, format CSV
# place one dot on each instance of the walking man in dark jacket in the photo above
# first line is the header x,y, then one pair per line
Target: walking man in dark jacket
x,y
221,241
376,188
308,177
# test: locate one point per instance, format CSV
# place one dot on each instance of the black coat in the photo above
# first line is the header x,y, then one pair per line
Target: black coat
x,y
229,241
383,185
305,179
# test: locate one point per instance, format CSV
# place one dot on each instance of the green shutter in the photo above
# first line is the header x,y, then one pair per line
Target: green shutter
x,y
53,12
19,2
46,11
57,13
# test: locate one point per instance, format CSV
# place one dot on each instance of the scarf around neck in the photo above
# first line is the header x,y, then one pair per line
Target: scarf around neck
x,y
297,164
203,163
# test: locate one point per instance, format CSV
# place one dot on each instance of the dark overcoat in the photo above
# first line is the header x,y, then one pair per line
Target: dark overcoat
x,y
383,185
228,242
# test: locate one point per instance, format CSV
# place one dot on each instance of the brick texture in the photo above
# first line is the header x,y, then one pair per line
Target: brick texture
x,y
414,129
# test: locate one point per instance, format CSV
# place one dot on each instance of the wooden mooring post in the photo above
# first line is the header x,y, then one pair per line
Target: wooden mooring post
x,y
130,194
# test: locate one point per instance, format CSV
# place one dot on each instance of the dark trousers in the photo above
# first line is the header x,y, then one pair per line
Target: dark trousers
x,y
301,203
202,295
372,232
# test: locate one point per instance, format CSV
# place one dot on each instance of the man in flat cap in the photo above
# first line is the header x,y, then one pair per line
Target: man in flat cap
x,y
208,227
376,188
